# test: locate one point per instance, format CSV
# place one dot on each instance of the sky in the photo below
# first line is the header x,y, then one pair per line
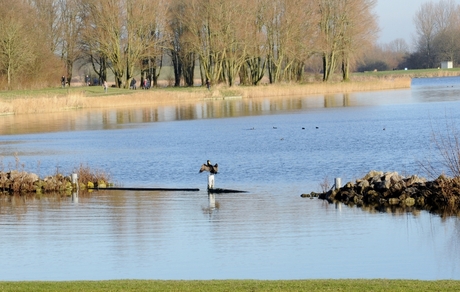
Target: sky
x,y
396,19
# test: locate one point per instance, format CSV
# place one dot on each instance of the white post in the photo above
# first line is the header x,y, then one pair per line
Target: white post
x,y
75,197
75,181
212,201
211,181
338,183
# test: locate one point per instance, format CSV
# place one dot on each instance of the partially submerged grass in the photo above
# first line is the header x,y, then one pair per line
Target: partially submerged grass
x,y
234,285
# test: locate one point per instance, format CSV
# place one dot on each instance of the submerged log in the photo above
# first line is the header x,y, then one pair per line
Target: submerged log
x,y
147,189
220,191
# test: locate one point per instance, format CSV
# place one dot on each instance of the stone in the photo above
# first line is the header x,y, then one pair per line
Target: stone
x,y
393,201
372,174
409,202
415,180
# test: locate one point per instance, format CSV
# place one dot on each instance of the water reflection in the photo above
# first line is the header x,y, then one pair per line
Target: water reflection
x,y
267,233
213,205
109,119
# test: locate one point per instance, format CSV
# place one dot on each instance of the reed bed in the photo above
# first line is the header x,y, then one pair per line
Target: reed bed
x,y
326,88
94,97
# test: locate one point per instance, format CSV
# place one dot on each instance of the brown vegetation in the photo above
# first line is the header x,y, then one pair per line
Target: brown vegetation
x,y
78,99
20,182
227,41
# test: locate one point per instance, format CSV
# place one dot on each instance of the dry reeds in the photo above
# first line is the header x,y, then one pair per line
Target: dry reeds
x,y
326,88
18,181
95,176
47,103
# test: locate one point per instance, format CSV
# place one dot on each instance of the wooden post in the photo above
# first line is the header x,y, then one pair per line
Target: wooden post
x,y
211,181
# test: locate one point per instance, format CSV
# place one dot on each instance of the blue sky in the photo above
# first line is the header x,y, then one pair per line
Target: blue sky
x,y
396,19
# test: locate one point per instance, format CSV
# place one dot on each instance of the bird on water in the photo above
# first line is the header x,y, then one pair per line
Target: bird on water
x,y
209,167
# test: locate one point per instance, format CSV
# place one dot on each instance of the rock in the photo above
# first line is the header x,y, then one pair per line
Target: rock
x,y
32,177
415,180
397,187
363,184
409,201
372,174
393,201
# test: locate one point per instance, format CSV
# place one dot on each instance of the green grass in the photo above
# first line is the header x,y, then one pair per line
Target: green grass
x,y
234,285
414,73
59,91
98,90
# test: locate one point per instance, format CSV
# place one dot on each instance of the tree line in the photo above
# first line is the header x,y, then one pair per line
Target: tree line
x,y
436,39
229,41
437,25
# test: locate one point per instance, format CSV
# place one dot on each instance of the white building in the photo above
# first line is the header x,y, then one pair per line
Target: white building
x,y
446,65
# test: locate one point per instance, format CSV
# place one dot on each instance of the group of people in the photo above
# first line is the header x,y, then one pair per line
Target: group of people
x,y
65,81
145,84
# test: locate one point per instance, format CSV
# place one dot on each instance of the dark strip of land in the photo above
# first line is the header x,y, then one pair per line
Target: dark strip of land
x,y
147,189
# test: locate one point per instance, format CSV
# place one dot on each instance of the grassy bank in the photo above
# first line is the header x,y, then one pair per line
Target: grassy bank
x,y
62,99
235,285
78,97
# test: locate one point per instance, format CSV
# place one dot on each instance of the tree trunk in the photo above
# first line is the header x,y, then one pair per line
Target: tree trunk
x,y
177,66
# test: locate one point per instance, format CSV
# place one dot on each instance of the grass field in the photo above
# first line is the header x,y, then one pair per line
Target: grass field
x,y
235,285
418,73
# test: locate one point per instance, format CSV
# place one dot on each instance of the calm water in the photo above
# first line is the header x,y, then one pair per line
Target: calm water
x,y
276,150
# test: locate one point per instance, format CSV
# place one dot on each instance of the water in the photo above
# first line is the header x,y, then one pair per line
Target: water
x,y
275,150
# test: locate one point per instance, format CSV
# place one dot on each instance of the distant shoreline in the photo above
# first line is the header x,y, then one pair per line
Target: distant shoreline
x,y
92,97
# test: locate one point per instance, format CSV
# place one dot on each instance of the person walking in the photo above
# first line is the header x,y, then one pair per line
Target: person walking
x,y
105,86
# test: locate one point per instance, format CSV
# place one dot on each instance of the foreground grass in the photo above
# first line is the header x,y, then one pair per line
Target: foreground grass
x,y
235,285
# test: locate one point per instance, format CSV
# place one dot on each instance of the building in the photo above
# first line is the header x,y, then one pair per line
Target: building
x,y
446,65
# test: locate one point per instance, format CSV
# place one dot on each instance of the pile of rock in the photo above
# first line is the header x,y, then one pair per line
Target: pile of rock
x,y
21,182
391,189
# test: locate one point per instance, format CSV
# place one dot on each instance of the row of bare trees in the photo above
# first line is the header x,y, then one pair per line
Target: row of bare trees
x,y
437,26
229,41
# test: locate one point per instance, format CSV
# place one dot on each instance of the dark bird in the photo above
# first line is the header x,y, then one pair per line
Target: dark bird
x,y
209,167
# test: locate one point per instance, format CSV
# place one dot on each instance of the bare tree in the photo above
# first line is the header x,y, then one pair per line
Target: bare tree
x,y
16,48
330,35
426,29
72,22
446,42
359,31
122,32
48,16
